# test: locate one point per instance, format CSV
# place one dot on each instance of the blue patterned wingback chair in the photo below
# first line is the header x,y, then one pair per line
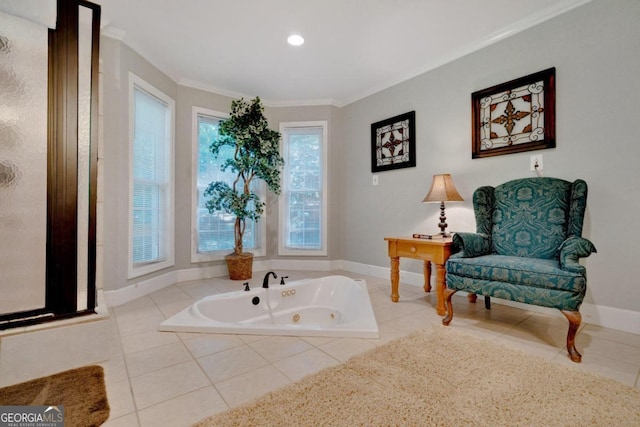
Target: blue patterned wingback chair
x,y
526,248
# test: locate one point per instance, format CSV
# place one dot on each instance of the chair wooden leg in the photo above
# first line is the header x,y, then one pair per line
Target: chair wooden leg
x,y
448,293
487,302
574,318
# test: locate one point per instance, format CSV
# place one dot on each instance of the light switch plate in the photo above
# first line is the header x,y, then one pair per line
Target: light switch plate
x,y
536,159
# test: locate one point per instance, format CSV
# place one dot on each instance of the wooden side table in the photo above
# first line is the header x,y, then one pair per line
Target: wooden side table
x,y
429,250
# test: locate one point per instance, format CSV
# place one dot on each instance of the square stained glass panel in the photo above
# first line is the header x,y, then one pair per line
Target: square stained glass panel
x,y
393,143
514,116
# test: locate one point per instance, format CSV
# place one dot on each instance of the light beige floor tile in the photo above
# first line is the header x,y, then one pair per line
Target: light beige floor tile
x,y
417,320
250,385
136,313
230,363
303,364
120,399
547,330
612,335
394,310
506,315
185,410
479,328
277,348
114,344
115,370
171,308
530,344
152,359
131,325
248,339
167,383
612,350
169,294
378,298
147,340
136,304
626,373
344,348
198,289
489,324
130,420
387,333
204,344
318,341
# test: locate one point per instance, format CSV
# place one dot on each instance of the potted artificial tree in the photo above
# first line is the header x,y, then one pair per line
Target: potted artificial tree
x,y
256,156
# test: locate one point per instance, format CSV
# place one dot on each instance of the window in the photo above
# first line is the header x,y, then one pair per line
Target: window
x,y
151,183
303,202
213,235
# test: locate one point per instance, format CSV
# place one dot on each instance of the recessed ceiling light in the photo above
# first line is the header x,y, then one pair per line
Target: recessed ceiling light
x,y
295,40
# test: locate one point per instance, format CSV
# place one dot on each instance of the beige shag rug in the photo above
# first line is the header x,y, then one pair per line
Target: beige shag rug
x,y
443,377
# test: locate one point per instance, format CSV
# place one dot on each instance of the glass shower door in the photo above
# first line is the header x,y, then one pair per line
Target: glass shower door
x,y
23,164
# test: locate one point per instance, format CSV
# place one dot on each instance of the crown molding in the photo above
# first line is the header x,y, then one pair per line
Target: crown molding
x,y
495,37
504,33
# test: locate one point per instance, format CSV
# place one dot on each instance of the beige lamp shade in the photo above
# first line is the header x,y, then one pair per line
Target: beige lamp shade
x,y
443,190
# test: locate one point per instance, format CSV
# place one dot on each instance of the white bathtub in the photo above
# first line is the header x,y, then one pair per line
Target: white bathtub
x,y
332,306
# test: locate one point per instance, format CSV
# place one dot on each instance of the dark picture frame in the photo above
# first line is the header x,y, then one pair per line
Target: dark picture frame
x,y
393,143
515,116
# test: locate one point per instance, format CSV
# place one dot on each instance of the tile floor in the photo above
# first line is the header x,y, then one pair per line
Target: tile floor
x,y
175,379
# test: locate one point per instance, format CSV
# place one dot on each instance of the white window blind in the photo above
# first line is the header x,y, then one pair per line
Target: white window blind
x,y
152,180
303,200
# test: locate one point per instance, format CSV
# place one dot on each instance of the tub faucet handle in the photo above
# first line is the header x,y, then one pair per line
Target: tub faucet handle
x,y
246,286
282,279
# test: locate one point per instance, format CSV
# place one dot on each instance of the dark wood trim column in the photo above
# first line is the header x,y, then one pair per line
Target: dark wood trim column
x,y
62,195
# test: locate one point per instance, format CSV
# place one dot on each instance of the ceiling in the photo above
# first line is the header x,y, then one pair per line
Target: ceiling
x,y
353,48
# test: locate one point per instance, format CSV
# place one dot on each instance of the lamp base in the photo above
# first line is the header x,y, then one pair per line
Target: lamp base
x,y
443,222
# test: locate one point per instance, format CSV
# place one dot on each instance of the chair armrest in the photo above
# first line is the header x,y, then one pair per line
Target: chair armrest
x,y
571,250
471,245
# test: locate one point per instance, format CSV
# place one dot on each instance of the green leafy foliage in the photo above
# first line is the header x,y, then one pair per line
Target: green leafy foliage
x,y
256,155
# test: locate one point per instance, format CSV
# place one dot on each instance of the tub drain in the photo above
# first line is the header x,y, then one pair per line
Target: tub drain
x,y
296,318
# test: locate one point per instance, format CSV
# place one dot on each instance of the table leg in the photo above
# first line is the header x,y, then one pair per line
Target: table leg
x,y
427,276
440,285
395,278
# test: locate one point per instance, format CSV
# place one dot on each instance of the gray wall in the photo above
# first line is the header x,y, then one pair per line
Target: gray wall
x,y
596,52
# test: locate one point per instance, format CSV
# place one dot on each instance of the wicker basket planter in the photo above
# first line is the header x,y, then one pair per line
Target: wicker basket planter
x,y
240,266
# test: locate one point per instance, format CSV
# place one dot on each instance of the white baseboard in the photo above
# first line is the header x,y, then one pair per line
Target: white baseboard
x,y
608,317
140,289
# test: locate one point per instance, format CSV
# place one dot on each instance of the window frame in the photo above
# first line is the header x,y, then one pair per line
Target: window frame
x,y
197,256
283,210
169,226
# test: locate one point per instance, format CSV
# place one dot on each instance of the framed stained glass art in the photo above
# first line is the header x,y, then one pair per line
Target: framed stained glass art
x,y
515,116
393,143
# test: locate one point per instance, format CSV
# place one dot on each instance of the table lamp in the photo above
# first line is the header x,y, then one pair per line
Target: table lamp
x,y
442,190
